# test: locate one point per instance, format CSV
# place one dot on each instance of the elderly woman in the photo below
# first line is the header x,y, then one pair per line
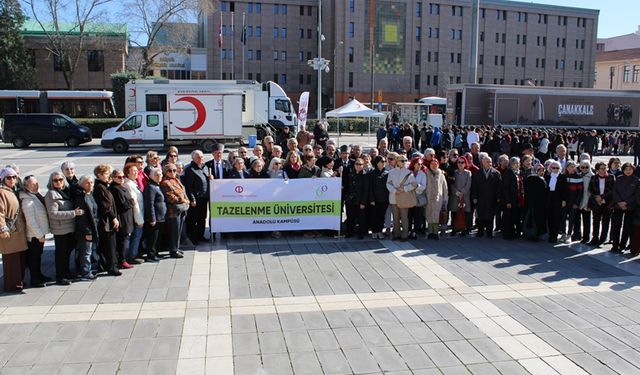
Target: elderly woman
x,y
624,204
356,191
177,206
292,164
124,207
238,170
460,193
400,180
535,195
416,214
155,211
131,248
575,191
378,197
153,161
585,212
601,191
275,169
437,197
35,214
257,168
108,223
557,193
512,200
86,231
62,220
13,239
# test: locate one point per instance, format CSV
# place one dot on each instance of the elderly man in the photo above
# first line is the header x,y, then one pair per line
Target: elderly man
x,y
218,167
196,183
485,188
561,156
267,144
303,137
407,146
292,146
277,152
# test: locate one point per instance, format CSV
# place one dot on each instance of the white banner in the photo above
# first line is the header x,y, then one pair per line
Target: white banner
x,y
258,205
302,110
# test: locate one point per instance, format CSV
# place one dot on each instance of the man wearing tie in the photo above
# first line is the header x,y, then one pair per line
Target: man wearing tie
x,y
218,167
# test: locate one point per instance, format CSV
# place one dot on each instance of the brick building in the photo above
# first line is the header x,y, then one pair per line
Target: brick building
x,y
104,52
420,46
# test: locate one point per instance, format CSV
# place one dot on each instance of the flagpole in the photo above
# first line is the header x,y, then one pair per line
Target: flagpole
x,y
232,49
220,43
244,40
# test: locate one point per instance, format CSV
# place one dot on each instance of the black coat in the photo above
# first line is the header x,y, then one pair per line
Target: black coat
x,y
86,224
226,167
535,198
378,191
561,192
594,190
124,206
509,189
487,191
235,174
196,182
106,206
261,174
358,188
155,209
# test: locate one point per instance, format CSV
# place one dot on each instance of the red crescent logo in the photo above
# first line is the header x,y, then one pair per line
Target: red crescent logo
x,y
201,114
133,92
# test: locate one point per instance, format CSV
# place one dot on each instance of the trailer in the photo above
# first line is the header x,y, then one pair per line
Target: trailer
x,y
549,107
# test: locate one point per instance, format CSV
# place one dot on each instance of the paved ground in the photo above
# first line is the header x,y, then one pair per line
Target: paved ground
x,y
313,306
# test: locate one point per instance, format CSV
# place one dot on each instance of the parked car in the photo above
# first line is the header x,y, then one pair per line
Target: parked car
x,y
23,129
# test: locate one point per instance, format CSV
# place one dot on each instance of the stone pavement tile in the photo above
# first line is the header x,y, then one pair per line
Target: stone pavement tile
x,y
467,329
348,338
305,363
483,369
361,318
574,320
388,358
489,349
98,330
277,364
510,368
243,324
427,313
77,368
615,362
267,323
70,330
42,369
625,335
455,370
361,361
133,367
247,364
528,306
245,344
414,357
145,328
105,368
421,333
559,342
582,341
139,349
405,314
444,331
338,319
44,332
333,362
111,350
272,342
314,320
298,341
120,329
429,371
465,352
383,316
532,323
54,353
440,354
373,336
291,321
605,339
447,311
552,321
165,348
509,307
590,364
537,366
323,340
170,327
162,367
15,370
26,354
397,334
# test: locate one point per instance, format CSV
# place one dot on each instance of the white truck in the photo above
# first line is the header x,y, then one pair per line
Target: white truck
x,y
200,113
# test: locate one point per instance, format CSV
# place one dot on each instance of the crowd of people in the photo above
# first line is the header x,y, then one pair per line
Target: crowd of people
x,y
523,183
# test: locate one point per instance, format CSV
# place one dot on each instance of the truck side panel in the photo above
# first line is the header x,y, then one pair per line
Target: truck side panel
x,y
232,115
195,116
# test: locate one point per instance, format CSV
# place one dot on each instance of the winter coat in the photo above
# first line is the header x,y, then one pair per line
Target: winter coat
x,y
486,190
106,206
624,191
535,198
509,189
394,182
10,209
378,186
309,172
594,190
62,217
173,194
196,181
35,214
575,189
124,206
138,201
155,209
437,195
461,182
87,224
358,188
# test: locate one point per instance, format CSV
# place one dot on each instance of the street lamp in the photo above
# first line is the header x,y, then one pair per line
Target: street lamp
x,y
334,72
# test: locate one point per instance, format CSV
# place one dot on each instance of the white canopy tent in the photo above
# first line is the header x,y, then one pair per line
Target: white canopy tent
x,y
354,109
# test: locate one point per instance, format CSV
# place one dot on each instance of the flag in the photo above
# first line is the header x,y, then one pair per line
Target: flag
x,y
220,32
243,36
302,110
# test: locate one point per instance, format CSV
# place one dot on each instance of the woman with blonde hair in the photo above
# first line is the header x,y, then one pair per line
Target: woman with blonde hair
x,y
437,197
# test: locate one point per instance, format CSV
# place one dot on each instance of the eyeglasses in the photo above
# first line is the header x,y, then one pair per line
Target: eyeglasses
x,y
14,177
359,164
118,177
555,168
56,180
584,167
277,163
461,162
69,169
243,152
173,155
172,170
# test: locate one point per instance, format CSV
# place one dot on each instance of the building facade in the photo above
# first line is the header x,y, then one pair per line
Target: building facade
x,y
420,47
615,43
618,70
104,53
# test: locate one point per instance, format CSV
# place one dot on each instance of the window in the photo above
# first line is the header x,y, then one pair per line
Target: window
x,y
453,34
453,58
436,56
429,56
482,36
283,9
309,55
504,38
501,15
502,60
350,53
517,61
258,10
495,60
352,6
418,33
524,39
283,32
275,55
626,73
524,62
543,63
636,72
133,123
250,54
434,32
435,80
249,31
497,37
301,78
308,79
416,82
518,39
283,78
456,10
275,79
309,10
352,29
302,10
480,59
153,120
350,79
483,12
428,80
223,54
434,8
301,33
95,60
543,18
459,58
523,17
459,34
309,34
258,57
418,57
301,56
258,31
223,6
250,8
418,9
283,55
276,31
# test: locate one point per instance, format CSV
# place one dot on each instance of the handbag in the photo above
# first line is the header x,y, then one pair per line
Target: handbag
x,y
406,199
421,199
182,207
460,219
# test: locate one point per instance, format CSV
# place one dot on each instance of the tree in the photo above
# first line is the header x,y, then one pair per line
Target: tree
x,y
162,26
66,36
16,71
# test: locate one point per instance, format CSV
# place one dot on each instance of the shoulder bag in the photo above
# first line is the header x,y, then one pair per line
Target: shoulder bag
x,y
406,199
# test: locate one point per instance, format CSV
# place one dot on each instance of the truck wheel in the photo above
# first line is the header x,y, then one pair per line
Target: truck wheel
x,y
120,146
20,142
207,145
73,142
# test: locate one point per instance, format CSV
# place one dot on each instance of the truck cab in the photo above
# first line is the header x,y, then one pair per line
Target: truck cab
x,y
139,128
281,112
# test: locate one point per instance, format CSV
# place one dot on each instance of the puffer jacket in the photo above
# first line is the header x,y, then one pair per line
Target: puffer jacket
x,y
624,190
378,186
155,209
10,209
62,217
35,214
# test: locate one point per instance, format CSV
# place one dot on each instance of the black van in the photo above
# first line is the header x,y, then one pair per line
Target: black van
x,y
23,129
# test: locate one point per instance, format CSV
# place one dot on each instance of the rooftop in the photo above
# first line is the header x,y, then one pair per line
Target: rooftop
x,y
32,27
623,54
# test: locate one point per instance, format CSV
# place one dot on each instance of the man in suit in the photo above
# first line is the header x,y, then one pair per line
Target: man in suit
x,y
485,188
196,183
561,152
218,167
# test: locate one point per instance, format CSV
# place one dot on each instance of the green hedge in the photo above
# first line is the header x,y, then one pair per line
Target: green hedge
x,y
118,80
98,125
349,125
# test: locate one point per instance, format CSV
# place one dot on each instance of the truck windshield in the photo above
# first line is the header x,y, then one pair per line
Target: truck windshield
x,y
283,105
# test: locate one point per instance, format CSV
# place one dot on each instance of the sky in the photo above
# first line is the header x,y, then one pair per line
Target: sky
x,y
617,17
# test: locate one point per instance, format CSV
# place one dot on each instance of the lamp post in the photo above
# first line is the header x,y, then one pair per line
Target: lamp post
x,y
319,63
335,72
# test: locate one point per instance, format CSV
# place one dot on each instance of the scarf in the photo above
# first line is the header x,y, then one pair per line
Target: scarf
x,y
520,190
296,167
553,180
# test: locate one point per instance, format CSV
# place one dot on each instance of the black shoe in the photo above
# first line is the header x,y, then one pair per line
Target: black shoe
x,y
594,242
174,254
114,273
63,281
45,279
480,234
151,258
436,236
616,249
38,284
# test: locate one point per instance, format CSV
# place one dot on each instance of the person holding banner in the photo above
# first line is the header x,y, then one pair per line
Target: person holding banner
x,y
309,169
196,181
257,168
356,191
400,180
218,167
292,164
238,170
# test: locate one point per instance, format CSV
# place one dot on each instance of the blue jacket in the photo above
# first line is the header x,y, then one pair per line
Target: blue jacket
x,y
155,209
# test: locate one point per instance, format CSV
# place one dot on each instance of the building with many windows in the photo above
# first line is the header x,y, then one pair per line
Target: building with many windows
x,y
419,47
618,70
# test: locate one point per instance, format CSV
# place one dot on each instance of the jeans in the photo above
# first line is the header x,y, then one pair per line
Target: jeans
x,y
175,225
85,251
131,248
